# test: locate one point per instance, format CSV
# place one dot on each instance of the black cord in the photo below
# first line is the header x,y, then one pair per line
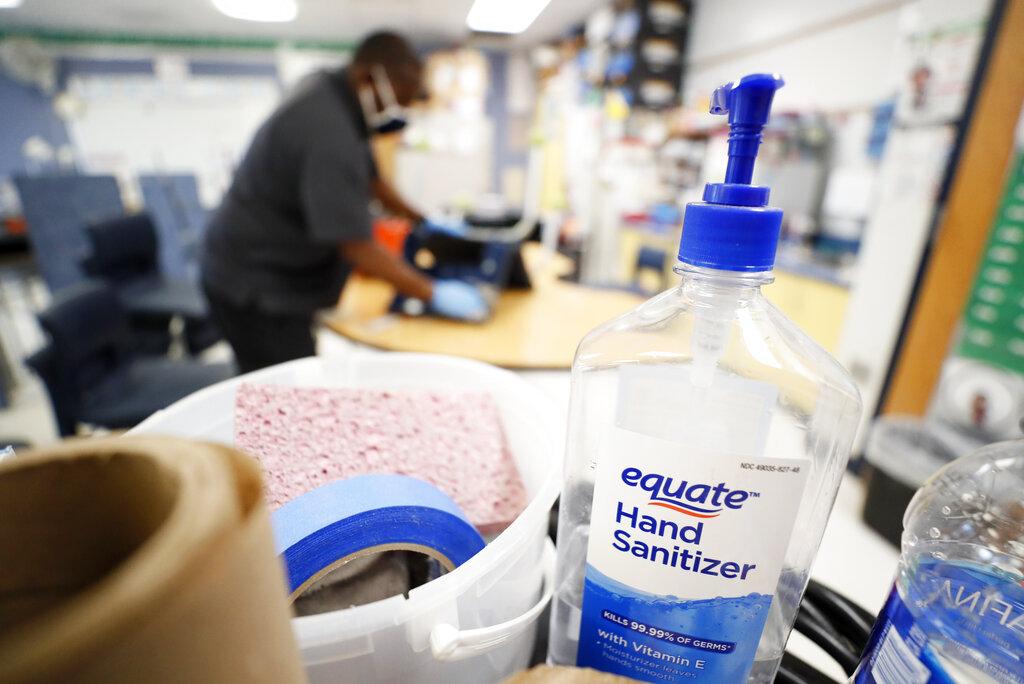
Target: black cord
x,y
813,612
841,614
793,670
827,593
833,643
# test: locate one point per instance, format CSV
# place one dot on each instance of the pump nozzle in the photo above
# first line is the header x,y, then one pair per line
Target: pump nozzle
x,y
748,103
734,229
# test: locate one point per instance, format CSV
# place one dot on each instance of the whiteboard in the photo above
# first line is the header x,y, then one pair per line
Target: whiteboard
x,y
131,124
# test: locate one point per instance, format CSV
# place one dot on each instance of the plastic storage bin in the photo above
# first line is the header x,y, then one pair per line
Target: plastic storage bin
x,y
473,625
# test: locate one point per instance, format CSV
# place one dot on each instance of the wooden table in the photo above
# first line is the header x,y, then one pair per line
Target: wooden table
x,y
537,328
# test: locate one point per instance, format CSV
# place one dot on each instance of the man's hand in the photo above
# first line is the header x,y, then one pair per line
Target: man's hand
x,y
373,260
456,299
451,298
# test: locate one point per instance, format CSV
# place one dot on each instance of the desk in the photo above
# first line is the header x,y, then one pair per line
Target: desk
x,y
816,306
538,328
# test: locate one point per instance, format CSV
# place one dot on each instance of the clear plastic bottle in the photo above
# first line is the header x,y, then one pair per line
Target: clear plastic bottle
x,y
707,439
956,612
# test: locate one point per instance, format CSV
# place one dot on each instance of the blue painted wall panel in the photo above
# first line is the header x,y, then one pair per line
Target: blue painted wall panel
x,y
25,111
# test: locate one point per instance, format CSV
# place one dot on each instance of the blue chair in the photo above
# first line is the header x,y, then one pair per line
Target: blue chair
x,y
173,202
57,208
125,255
651,259
90,372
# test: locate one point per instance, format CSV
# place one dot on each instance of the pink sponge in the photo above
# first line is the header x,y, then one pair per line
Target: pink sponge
x,y
306,437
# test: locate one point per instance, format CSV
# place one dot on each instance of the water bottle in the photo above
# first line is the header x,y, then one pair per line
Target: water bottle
x,y
707,439
956,610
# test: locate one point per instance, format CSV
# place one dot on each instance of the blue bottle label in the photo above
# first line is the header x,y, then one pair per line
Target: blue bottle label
x,y
686,546
957,623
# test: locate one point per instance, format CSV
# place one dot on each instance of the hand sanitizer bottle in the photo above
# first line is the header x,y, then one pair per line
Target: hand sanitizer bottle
x,y
707,439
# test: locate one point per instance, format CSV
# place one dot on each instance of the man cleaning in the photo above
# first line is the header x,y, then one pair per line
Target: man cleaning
x,y
296,219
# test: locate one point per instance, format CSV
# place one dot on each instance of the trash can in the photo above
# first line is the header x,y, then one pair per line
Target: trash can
x,y
902,453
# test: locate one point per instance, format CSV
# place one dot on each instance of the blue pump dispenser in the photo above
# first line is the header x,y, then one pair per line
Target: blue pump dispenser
x,y
706,441
734,229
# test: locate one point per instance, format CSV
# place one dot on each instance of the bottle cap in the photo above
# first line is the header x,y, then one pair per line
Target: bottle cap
x,y
734,229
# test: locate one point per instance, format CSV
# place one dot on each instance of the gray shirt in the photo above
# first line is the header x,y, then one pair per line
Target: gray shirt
x,y
303,187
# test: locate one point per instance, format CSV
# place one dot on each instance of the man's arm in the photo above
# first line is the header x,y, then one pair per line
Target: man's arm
x,y
373,260
393,202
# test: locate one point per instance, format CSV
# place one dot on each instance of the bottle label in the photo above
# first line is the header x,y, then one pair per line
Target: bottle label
x,y
957,623
686,543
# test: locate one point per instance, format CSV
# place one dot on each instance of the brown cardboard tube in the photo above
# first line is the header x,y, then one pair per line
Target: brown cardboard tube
x,y
140,559
546,674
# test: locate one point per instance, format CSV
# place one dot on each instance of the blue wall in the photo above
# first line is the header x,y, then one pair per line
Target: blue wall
x,y
496,106
79,66
25,111
198,67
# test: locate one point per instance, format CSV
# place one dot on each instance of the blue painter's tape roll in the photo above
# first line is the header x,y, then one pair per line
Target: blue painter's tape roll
x,y
325,528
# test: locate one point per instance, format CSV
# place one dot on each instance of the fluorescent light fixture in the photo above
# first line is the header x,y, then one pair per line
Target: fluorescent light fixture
x,y
9,4
504,16
258,10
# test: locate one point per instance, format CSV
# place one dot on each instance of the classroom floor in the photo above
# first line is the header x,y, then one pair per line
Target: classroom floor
x,y
28,419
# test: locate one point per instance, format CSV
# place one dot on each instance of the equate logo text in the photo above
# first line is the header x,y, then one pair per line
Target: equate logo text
x,y
697,499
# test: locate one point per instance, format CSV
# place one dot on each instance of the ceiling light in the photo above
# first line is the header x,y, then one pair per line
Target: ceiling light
x,y
258,10
9,4
504,16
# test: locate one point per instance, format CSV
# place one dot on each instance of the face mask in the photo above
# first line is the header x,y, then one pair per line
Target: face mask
x,y
393,117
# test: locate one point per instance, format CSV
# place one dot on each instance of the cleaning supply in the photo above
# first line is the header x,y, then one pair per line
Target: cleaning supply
x,y
707,439
956,611
474,625
327,527
306,437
